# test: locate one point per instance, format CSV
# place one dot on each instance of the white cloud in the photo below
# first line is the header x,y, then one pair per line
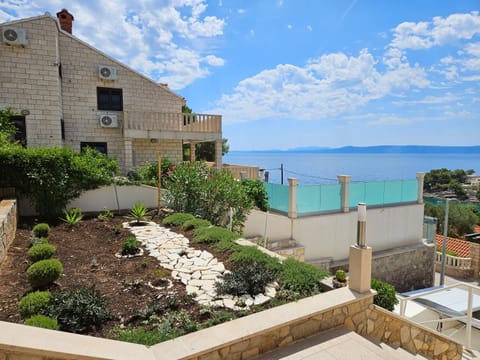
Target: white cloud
x,y
329,86
439,32
241,11
289,26
309,28
167,41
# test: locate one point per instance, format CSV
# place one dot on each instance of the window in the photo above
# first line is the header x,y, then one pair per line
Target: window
x,y
21,134
99,146
109,99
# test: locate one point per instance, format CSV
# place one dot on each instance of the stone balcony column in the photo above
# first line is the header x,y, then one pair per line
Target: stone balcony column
x,y
344,181
420,178
218,154
192,151
292,197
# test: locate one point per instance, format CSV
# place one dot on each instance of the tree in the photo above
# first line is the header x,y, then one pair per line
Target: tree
x,y
461,218
443,179
7,127
206,150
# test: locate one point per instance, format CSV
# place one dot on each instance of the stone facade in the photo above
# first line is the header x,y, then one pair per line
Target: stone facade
x,y
54,78
8,225
407,268
475,255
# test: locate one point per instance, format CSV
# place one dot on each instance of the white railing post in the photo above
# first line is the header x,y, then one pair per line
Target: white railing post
x,y
292,197
469,318
420,178
344,181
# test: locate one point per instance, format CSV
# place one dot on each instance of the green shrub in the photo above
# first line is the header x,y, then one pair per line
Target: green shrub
x,y
41,252
227,246
51,177
256,191
208,194
247,277
80,310
44,272
39,240
34,303
448,252
301,277
138,213
131,246
41,230
340,275
196,223
72,216
253,253
213,234
105,215
385,295
138,335
42,321
177,219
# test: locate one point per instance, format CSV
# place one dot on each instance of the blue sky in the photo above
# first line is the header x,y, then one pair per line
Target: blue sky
x,y
294,73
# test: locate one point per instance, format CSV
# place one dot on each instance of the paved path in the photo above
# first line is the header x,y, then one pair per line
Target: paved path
x,y
198,270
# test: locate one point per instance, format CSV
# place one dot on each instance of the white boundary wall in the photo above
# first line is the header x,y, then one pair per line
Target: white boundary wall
x,y
330,235
98,199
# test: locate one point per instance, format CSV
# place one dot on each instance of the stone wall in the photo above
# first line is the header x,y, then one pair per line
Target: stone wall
x,y
8,225
406,268
392,329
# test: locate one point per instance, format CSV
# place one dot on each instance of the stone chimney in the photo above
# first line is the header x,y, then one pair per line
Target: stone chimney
x,y
65,19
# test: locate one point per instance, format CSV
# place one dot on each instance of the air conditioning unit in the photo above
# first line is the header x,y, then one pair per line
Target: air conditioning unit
x,y
14,36
109,121
107,72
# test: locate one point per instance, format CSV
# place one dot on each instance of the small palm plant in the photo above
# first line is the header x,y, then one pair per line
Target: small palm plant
x,y
72,216
138,213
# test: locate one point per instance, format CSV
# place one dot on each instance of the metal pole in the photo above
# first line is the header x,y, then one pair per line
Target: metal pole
x,y
159,186
281,173
444,248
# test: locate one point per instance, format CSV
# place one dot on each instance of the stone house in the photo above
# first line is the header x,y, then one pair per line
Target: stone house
x,y
67,93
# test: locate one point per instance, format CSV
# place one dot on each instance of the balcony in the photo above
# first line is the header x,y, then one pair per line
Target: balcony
x,y
156,125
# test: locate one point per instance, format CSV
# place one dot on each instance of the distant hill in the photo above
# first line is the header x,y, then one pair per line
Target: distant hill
x,y
385,149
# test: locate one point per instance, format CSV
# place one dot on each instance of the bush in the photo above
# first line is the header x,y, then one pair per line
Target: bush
x,y
208,194
138,213
196,223
41,230
130,246
51,177
34,303
385,295
300,277
247,277
39,241
72,216
177,219
253,253
341,276
214,234
41,252
42,321
44,272
80,310
256,191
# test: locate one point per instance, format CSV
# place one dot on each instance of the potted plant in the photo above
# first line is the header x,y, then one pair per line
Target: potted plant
x,y
340,279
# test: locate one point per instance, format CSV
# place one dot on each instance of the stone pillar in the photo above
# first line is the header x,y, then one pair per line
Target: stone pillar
x,y
360,268
475,255
243,175
420,177
218,154
292,197
192,151
128,150
344,180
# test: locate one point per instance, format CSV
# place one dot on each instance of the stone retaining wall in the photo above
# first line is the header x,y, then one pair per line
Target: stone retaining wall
x,y
8,225
394,330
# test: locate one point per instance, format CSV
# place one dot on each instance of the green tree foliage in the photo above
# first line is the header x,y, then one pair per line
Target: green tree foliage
x,y
461,218
51,177
443,179
7,128
386,295
256,190
205,151
147,173
207,193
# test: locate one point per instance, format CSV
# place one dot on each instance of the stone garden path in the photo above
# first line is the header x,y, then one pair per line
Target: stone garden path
x,y
198,270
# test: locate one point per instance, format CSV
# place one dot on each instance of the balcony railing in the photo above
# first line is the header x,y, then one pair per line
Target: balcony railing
x,y
454,261
175,122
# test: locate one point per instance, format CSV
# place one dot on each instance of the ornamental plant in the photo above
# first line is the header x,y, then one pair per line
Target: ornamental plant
x,y
386,295
44,272
131,246
177,219
34,303
138,213
41,230
41,252
72,216
42,321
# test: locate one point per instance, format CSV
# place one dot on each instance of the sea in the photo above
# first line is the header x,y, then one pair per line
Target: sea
x,y
323,168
